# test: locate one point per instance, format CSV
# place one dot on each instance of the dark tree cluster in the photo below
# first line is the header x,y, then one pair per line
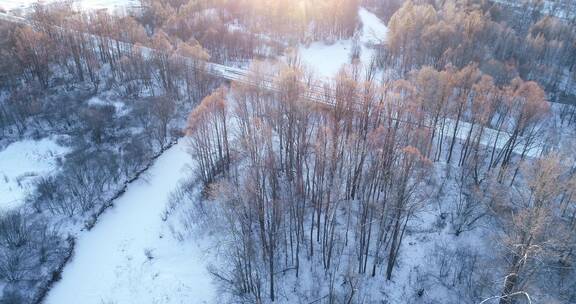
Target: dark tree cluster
x,y
31,250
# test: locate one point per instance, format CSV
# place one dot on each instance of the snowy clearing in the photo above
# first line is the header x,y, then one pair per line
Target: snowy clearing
x,y
130,256
21,163
326,60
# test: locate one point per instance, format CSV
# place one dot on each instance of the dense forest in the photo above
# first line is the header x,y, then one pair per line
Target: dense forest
x,y
442,170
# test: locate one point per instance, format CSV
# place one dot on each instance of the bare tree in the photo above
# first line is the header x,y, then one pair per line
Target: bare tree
x,y
530,230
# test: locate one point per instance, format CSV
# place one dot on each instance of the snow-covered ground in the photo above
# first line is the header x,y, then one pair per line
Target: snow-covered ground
x,y
326,60
490,137
119,106
80,4
130,256
21,163
373,29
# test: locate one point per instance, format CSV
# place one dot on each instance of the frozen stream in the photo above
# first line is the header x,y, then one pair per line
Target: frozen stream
x,y
110,264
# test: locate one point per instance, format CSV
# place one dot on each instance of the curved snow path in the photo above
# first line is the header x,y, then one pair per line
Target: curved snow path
x,y
110,263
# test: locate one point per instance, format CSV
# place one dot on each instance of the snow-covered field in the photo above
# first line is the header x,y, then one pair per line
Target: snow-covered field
x,y
80,4
326,60
130,256
21,163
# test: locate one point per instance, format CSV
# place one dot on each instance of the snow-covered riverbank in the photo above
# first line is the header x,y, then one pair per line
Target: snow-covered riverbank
x,y
130,256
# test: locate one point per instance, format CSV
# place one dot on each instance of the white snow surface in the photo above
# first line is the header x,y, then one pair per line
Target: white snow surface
x,y
326,60
119,106
79,4
21,163
490,137
110,262
373,29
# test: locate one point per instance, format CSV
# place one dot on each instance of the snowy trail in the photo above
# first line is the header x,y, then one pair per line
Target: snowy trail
x,y
110,263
